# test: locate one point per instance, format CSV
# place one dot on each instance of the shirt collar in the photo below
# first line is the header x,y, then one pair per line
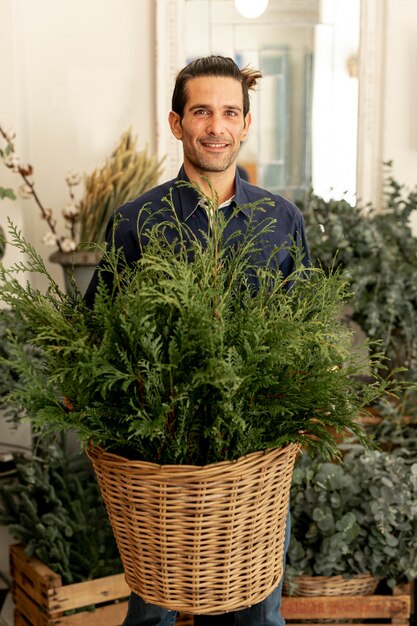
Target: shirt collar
x,y
190,199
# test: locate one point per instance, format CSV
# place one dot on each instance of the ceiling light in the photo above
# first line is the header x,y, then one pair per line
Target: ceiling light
x,y
251,8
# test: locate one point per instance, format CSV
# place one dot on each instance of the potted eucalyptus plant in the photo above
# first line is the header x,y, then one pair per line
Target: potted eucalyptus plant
x,y
353,520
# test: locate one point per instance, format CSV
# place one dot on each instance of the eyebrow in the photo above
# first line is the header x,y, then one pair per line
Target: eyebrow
x,y
228,107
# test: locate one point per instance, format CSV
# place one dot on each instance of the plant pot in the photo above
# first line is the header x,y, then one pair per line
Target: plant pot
x,y
202,540
78,267
360,585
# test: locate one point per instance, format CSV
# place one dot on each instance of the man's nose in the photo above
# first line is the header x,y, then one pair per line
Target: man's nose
x,y
215,124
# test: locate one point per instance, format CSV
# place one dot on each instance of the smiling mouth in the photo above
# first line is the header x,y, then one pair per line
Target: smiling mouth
x,y
214,144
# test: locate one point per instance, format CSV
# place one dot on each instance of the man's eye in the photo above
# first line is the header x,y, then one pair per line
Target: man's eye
x,y
201,112
232,113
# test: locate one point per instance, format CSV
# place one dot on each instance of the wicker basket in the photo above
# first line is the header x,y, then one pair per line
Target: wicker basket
x,y
360,585
202,540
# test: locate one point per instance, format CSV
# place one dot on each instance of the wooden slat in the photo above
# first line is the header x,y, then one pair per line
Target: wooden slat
x,y
89,592
37,567
19,620
346,607
32,575
110,615
405,589
28,608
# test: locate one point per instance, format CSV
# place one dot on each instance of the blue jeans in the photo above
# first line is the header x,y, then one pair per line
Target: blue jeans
x,y
266,613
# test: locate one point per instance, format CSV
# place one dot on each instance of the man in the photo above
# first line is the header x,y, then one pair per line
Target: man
x,y
210,116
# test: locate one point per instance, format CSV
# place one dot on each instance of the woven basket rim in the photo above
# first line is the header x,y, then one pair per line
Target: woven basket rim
x,y
183,469
310,577
338,584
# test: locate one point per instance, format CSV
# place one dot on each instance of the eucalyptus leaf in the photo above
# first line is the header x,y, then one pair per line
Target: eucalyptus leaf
x,y
369,535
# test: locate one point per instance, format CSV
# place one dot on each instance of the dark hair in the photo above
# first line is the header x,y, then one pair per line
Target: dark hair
x,y
213,66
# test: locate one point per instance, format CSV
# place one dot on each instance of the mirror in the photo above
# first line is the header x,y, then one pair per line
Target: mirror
x,y
317,111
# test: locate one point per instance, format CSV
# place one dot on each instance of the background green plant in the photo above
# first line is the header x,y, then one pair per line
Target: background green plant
x,y
9,379
359,517
184,362
378,252
52,504
394,426
54,507
354,518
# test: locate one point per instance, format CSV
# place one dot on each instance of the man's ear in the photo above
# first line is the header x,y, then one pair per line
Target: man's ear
x,y
175,124
248,122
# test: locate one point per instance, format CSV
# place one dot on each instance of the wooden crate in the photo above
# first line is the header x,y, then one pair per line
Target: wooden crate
x,y
41,599
377,610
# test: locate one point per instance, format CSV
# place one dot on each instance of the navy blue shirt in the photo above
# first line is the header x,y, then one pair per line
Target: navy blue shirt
x,y
287,226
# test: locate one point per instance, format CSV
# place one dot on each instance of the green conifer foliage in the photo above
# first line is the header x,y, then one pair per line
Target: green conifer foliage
x,y
184,361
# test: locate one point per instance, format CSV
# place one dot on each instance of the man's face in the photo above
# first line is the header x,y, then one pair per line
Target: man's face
x,y
213,126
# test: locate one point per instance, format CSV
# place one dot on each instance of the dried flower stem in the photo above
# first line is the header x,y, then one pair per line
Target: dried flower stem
x,y
124,176
25,174
73,221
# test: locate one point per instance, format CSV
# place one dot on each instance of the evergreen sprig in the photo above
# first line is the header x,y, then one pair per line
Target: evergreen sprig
x,y
196,354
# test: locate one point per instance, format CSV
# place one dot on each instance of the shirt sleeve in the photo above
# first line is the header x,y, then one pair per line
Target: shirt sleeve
x,y
99,271
301,239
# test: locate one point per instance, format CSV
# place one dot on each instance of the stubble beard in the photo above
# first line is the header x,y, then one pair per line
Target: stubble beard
x,y
219,163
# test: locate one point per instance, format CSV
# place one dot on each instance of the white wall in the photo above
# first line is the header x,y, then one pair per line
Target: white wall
x,y
400,123
74,75
8,73
78,73
335,101
400,127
